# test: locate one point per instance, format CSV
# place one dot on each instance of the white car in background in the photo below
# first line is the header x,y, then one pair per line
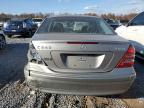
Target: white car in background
x,y
38,21
134,31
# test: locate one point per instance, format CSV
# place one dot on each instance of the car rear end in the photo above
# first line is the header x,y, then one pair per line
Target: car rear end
x,y
15,27
80,63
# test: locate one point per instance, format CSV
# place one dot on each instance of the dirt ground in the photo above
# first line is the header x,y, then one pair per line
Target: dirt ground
x,y
14,93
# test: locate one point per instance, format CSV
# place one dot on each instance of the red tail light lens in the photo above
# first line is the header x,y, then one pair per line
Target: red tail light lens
x,y
128,58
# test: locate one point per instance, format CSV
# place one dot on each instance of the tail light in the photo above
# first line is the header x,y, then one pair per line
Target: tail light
x,y
128,59
34,56
5,25
24,25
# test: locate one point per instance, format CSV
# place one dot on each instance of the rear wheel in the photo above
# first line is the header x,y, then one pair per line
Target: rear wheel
x,y
2,42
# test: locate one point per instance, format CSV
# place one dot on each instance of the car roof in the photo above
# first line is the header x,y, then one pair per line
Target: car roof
x,y
37,18
73,16
17,19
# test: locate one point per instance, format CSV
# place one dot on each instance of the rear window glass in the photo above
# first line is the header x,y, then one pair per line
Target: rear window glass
x,y
75,25
138,20
15,23
37,20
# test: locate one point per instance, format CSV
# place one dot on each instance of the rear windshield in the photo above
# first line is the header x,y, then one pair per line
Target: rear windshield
x,y
75,25
37,20
15,23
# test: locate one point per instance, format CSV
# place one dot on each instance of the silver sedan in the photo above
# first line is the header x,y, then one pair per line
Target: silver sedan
x,y
79,55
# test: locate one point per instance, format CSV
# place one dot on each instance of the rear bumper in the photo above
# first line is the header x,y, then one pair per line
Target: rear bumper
x,y
91,84
17,32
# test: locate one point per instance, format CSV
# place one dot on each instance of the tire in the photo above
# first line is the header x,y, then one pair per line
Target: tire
x,y
2,42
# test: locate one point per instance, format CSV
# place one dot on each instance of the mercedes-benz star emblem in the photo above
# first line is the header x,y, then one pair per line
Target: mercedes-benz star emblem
x,y
83,46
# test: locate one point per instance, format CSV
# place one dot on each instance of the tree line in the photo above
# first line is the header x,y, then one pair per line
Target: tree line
x,y
114,16
4,16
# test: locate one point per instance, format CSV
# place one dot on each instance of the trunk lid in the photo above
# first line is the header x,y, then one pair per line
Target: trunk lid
x,y
80,53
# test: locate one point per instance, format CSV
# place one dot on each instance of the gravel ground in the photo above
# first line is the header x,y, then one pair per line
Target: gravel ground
x,y
14,93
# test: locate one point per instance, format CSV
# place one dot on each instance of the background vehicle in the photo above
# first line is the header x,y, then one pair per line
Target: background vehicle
x,y
24,27
1,25
2,40
79,55
38,21
124,22
113,23
134,31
